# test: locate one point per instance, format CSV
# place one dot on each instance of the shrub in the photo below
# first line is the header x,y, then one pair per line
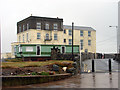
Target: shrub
x,y
44,73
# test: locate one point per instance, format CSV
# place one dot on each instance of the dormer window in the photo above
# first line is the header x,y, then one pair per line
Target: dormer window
x,y
55,26
38,26
47,26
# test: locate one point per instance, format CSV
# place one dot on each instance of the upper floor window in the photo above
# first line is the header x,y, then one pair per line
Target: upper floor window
x,y
27,26
89,42
46,26
64,31
38,26
55,36
70,32
81,43
64,40
23,37
23,28
81,33
27,37
19,28
70,41
47,36
38,35
89,33
55,26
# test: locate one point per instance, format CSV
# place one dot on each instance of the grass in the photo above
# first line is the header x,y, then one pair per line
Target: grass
x,y
32,64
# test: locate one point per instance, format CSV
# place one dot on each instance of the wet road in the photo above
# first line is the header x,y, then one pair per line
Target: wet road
x,y
97,80
86,80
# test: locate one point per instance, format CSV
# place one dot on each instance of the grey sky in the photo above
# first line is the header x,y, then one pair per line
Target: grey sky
x,y
98,14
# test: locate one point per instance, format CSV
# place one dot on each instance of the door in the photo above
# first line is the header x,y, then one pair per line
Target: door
x,y
63,49
38,50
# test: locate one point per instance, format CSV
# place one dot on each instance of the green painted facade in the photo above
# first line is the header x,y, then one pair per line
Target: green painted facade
x,y
45,50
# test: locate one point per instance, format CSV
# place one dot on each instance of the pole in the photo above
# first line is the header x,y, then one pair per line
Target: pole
x,y
110,65
93,66
72,40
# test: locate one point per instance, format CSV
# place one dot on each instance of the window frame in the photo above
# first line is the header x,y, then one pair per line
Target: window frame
x,y
89,42
69,41
70,32
38,25
81,34
39,34
47,26
55,26
89,33
55,36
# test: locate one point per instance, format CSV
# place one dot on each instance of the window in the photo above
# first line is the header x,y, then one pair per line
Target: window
x,y
20,48
19,28
55,36
47,36
64,40
81,43
23,37
27,37
38,35
70,32
81,33
86,50
23,28
89,33
19,38
46,26
38,26
70,41
55,26
89,42
64,31
29,49
27,26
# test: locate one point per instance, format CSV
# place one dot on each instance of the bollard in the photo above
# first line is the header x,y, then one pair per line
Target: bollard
x,y
110,65
93,66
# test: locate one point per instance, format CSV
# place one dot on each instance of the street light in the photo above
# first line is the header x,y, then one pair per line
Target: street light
x,y
116,31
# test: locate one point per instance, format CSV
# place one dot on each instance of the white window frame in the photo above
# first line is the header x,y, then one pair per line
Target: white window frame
x,y
55,26
27,26
89,43
69,41
39,35
70,32
89,34
81,33
55,36
47,36
38,25
19,29
47,26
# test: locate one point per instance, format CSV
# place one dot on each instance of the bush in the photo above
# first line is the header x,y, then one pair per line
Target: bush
x,y
44,73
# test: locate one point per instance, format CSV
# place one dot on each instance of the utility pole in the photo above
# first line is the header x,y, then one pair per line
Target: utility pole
x,y
72,40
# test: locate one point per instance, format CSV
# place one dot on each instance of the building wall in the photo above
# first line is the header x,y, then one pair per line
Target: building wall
x,y
32,38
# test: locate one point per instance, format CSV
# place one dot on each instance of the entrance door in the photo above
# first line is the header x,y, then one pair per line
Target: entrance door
x,y
63,49
38,50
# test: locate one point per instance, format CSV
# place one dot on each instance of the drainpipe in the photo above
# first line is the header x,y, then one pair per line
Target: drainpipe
x,y
72,40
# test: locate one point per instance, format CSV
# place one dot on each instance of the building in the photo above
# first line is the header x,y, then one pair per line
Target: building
x,y
37,35
118,31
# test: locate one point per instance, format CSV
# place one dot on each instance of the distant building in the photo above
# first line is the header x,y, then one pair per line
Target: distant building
x,y
118,32
37,35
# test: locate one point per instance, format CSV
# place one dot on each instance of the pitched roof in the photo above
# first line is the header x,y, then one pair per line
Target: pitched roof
x,y
79,28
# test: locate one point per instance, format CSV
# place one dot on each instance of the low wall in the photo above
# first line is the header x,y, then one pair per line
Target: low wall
x,y
26,80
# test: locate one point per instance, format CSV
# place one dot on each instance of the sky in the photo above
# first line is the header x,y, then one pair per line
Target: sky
x,y
98,14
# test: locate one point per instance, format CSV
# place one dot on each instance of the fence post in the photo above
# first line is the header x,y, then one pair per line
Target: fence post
x,y
93,66
110,65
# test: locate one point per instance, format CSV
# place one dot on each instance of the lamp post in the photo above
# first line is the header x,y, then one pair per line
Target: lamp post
x,y
116,34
